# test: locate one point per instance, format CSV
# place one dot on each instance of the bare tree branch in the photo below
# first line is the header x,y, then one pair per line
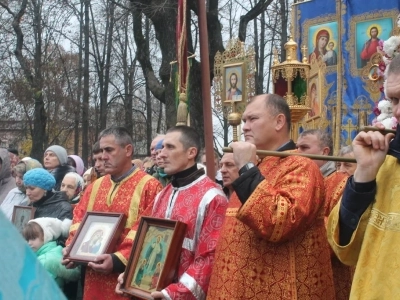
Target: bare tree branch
x,y
251,14
143,57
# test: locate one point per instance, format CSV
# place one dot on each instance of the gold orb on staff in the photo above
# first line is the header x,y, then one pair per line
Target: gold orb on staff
x,y
235,119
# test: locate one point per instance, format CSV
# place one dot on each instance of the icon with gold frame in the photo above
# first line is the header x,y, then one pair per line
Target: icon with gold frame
x,y
97,234
155,255
234,82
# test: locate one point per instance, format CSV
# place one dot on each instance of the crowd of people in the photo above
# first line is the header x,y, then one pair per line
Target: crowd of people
x,y
262,228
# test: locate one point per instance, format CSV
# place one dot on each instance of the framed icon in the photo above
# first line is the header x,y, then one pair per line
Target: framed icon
x,y
155,255
97,234
22,215
234,82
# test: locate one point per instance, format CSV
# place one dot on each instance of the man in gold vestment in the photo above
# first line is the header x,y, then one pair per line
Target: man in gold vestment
x,y
273,243
125,189
364,228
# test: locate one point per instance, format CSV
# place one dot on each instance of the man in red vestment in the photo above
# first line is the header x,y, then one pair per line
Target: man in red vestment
x,y
125,189
370,46
342,274
196,200
273,242
317,141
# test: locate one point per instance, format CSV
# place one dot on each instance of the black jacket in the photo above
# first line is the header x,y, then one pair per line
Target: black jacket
x,y
53,205
246,183
59,174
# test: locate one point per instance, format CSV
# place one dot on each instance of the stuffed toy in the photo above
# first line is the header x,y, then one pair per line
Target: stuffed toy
x,y
386,115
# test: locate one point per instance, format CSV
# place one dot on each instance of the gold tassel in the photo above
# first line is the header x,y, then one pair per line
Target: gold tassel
x,y
182,113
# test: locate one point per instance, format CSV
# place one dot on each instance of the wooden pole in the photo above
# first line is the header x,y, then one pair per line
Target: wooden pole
x,y
264,153
206,89
373,128
339,88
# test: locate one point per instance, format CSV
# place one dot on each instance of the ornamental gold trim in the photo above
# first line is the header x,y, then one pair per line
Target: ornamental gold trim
x,y
384,221
318,75
235,55
372,84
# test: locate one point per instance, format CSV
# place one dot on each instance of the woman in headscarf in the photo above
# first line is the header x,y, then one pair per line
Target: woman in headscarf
x,y
39,184
17,196
76,162
56,162
72,185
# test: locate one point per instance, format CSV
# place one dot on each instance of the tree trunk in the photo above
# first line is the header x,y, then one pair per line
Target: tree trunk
x,y
79,74
85,100
284,22
33,77
129,73
39,127
149,108
104,92
261,60
149,121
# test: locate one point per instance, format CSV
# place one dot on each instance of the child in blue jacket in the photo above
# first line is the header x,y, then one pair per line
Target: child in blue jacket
x,y
41,235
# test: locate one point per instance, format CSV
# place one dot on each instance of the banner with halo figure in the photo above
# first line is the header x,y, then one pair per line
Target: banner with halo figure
x,y
342,37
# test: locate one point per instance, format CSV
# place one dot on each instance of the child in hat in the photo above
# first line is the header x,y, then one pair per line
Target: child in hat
x,y
41,235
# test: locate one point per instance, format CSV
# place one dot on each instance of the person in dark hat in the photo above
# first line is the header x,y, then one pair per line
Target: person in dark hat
x,y
56,162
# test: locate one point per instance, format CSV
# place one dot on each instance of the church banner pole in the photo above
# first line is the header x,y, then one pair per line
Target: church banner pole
x,y
205,89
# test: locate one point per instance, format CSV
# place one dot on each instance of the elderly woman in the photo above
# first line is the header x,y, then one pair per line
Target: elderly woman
x,y
72,185
17,196
346,167
39,184
76,162
55,160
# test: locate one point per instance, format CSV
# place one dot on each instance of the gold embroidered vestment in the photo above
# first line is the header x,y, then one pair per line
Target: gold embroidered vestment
x,y
274,246
374,245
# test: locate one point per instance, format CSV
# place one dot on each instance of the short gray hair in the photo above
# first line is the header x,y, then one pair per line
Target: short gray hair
x,y
121,135
346,150
276,105
325,140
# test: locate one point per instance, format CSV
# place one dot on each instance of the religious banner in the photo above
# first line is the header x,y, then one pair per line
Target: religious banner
x,y
344,35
